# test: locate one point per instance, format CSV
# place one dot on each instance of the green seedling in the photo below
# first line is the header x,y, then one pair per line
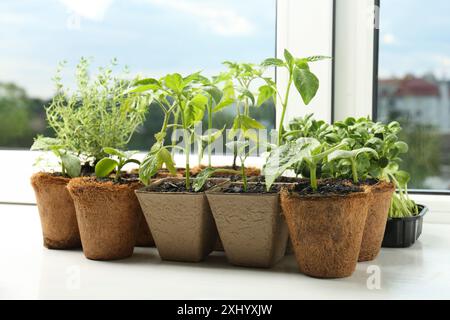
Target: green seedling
x,y
189,102
299,74
114,163
70,164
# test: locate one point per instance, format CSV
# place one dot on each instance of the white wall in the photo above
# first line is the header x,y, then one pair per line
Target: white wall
x,y
354,58
305,28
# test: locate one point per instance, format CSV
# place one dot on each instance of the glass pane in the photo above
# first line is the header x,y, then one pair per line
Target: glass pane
x,y
152,37
414,85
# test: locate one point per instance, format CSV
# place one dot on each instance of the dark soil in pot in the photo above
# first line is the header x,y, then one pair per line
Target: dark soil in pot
x,y
56,211
376,219
180,220
326,227
250,224
108,215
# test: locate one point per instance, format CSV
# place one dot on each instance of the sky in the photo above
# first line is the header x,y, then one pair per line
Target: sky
x,y
155,37
414,38
152,37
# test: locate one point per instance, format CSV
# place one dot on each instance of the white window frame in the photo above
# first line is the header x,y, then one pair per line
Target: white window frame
x,y
341,29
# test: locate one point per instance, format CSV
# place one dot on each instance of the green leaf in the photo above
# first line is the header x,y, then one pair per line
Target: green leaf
x,y
247,93
247,123
402,177
105,166
401,146
202,177
71,164
317,58
45,144
306,83
286,156
166,158
147,87
196,77
149,167
213,136
289,59
174,82
114,152
135,161
215,93
302,63
199,101
273,62
223,104
147,81
266,92
195,109
352,154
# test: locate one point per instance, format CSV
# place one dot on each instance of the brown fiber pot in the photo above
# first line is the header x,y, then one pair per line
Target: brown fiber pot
x,y
326,231
376,220
251,227
56,210
108,215
181,223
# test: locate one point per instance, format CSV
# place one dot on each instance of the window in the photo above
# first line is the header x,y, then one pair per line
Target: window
x,y
153,37
414,85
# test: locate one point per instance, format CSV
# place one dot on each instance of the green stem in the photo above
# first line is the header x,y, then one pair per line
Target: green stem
x,y
313,177
283,112
210,124
354,171
175,121
244,176
235,151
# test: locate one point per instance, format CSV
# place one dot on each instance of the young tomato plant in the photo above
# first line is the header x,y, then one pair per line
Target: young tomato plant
x,y
216,100
238,81
70,164
299,74
117,160
189,104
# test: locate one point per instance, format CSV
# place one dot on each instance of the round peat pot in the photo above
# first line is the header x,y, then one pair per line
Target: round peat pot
x,y
250,225
326,230
403,232
376,220
181,222
108,215
56,211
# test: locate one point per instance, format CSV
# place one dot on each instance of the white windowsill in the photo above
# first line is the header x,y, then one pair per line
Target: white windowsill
x,y
29,271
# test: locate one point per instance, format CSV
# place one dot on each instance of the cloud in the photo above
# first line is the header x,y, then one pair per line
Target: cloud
x,y
89,9
219,20
389,39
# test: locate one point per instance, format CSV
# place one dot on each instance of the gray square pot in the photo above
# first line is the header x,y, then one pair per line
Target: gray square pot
x,y
181,223
251,227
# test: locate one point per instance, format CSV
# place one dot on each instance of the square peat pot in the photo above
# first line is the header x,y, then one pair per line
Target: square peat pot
x,y
403,232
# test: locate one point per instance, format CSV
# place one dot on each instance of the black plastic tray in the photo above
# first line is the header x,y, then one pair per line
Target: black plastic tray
x,y
403,232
